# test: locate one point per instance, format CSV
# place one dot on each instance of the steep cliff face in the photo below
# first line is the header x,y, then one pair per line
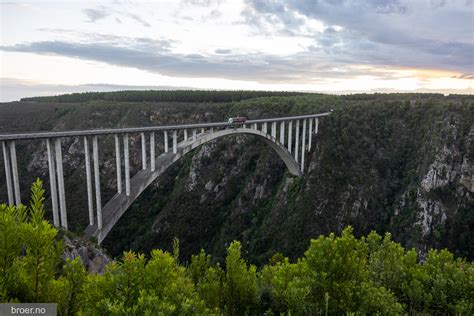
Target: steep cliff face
x,y
396,166
443,198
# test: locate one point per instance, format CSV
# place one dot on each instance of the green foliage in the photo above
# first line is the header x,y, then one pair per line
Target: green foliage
x,y
30,255
289,287
338,275
338,268
240,287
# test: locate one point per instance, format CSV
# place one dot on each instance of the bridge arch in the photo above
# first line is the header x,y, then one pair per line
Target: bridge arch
x,y
119,204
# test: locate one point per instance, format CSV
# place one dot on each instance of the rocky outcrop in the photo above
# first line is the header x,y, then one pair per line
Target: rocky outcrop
x,y
93,257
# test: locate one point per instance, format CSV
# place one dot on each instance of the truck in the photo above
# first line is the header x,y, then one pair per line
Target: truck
x,y
235,121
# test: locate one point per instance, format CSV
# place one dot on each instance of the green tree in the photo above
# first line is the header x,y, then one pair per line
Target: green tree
x,y
240,288
30,253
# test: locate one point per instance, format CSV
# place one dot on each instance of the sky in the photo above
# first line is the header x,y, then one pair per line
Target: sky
x,y
329,46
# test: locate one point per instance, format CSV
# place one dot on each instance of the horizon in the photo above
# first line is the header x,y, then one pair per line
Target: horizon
x,y
391,46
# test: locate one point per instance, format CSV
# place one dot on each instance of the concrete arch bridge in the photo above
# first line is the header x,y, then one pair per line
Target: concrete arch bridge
x,y
289,137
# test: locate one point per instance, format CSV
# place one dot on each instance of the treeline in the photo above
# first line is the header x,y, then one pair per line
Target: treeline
x,y
197,96
405,96
337,275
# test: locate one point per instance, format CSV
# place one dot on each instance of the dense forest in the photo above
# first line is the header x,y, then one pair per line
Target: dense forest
x,y
336,275
194,96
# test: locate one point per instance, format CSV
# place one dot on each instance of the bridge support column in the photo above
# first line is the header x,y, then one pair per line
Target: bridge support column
x,y
274,130
303,143
297,140
143,150
52,182
175,142
255,127
98,200
282,132
152,151
194,135
16,180
316,125
6,161
60,173
165,135
185,134
310,134
118,164
265,128
202,130
290,138
90,202
127,164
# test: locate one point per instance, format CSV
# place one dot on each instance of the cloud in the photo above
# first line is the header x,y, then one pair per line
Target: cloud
x,y
202,3
464,76
222,51
156,56
142,43
139,20
434,34
95,14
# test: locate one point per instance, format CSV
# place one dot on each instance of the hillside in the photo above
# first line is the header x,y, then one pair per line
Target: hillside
x,y
392,163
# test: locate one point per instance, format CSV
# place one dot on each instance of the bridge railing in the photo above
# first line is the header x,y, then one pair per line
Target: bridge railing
x,y
279,129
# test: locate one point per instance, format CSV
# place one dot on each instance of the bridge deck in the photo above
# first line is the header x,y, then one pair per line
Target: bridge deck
x,y
44,135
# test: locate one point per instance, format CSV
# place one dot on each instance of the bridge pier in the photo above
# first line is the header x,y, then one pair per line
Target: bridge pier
x,y
282,132
98,199
316,125
165,135
297,140
118,164
152,151
303,143
60,174
143,150
290,137
89,181
127,164
175,142
264,128
274,130
185,134
194,135
310,134
52,182
14,167
6,161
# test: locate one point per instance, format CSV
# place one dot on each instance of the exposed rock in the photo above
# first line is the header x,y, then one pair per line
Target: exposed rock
x,y
93,257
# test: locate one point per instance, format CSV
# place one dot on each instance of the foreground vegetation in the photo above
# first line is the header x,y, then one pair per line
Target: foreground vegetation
x,y
338,274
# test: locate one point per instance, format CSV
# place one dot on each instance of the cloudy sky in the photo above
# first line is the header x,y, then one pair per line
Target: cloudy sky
x,y
334,46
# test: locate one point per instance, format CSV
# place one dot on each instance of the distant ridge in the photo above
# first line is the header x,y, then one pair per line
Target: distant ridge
x,y
194,96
